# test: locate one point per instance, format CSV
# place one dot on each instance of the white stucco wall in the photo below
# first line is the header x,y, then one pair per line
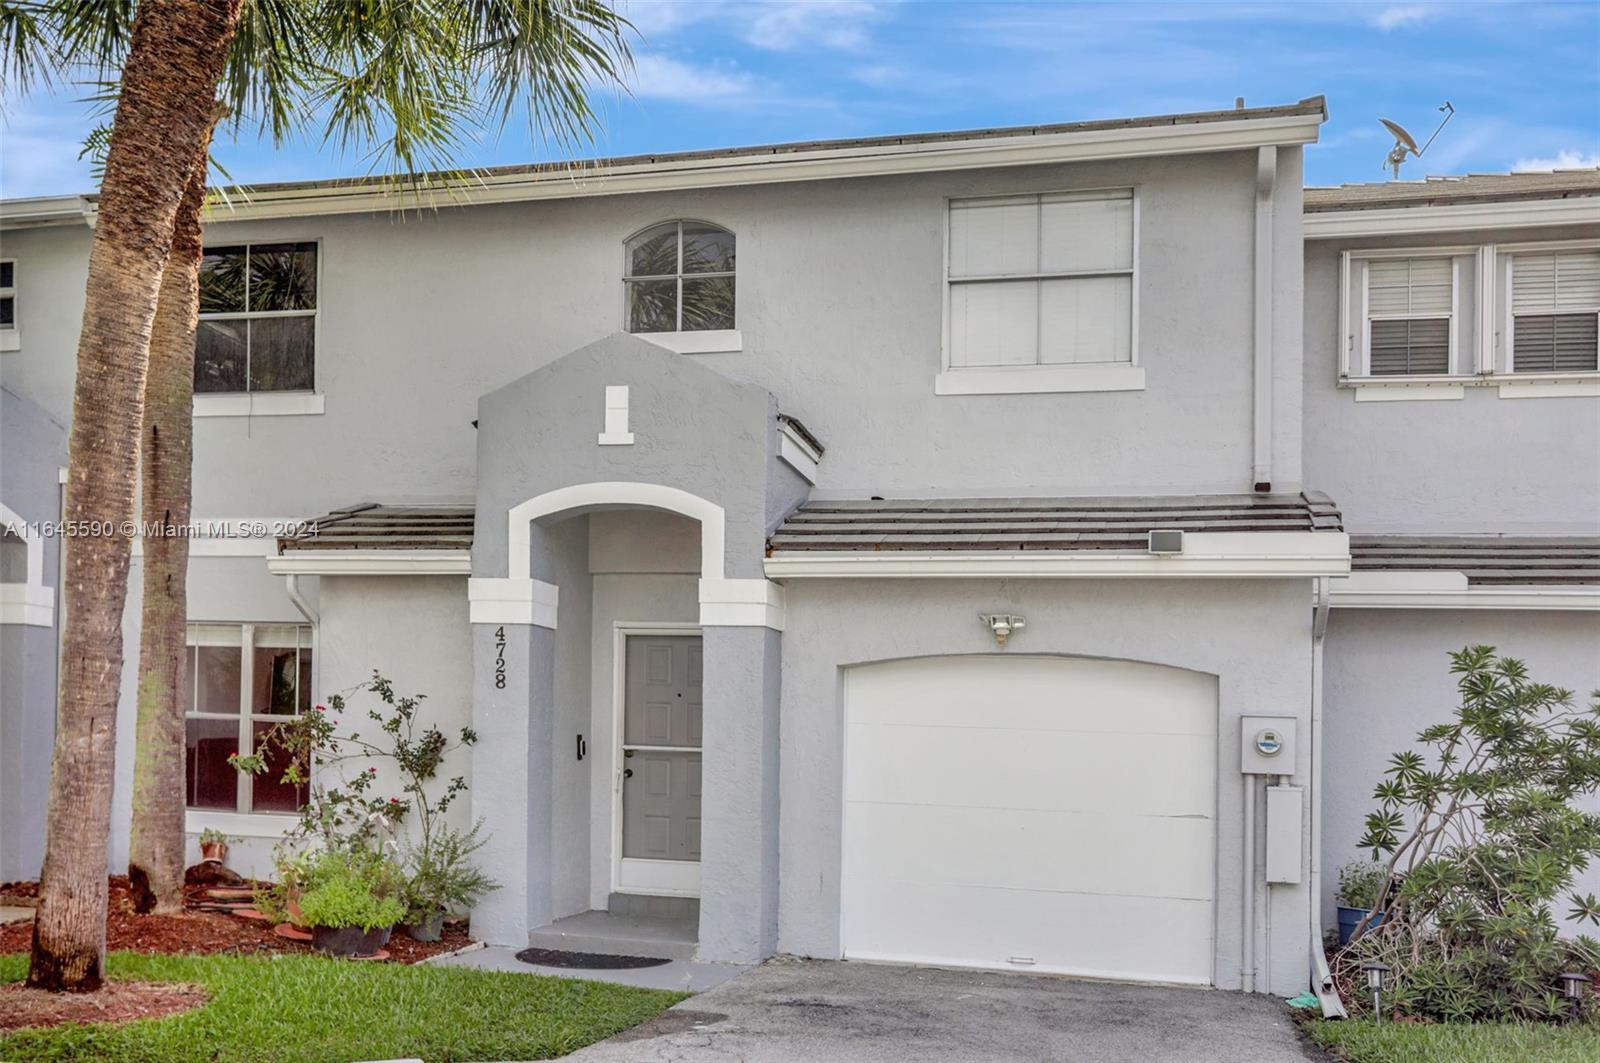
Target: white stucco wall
x,y
840,304
1254,636
1387,677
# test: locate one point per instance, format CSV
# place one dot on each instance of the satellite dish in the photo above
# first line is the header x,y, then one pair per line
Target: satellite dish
x,y
1405,144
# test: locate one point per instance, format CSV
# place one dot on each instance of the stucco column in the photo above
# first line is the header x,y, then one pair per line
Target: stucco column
x,y
739,795
513,706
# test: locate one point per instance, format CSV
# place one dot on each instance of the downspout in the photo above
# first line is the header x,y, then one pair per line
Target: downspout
x,y
292,585
1247,935
1321,977
1266,181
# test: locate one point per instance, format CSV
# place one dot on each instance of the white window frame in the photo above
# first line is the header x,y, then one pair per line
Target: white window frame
x,y
245,793
1041,379
1488,363
1504,350
698,341
249,403
11,335
30,602
1355,344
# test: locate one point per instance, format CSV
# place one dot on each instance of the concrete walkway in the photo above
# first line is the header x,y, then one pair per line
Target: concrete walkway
x,y
684,976
795,1010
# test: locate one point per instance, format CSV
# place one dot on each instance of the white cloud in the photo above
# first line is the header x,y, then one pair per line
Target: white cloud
x,y
664,78
842,24
1567,159
39,146
1393,18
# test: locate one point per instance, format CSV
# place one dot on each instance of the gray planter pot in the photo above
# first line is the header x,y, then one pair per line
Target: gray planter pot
x,y
349,940
430,929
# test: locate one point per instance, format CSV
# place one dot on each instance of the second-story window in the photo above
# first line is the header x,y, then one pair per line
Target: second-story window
x,y
258,318
1410,311
680,278
8,295
1041,280
1555,312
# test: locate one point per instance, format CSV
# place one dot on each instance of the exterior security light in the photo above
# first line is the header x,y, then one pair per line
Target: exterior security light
x,y
1003,624
1572,983
1376,975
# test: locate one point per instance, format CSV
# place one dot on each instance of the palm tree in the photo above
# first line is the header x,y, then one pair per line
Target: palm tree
x,y
176,51
403,79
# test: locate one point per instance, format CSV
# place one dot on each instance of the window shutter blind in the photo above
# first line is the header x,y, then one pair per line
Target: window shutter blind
x,y
1555,303
1409,305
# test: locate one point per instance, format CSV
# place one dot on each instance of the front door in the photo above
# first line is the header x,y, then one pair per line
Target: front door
x,y
661,721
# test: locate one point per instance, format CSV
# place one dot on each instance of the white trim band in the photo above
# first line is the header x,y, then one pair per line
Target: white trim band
x,y
1206,555
1040,379
1451,590
797,452
31,604
741,603
512,601
1387,221
259,404
371,563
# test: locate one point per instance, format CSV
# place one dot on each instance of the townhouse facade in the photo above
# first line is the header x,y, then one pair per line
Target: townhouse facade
x,y
1008,548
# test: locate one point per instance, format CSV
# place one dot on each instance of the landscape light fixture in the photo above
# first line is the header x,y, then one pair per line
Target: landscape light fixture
x,y
1377,974
1572,983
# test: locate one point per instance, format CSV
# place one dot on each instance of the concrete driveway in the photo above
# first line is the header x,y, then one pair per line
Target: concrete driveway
x,y
789,1010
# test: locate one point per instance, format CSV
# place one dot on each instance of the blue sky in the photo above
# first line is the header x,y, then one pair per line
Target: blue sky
x,y
1524,78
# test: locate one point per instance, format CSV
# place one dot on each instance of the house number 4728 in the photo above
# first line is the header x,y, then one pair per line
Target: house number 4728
x,y
500,658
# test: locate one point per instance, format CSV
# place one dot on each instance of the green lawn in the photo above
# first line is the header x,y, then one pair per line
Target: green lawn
x,y
1364,1041
308,1009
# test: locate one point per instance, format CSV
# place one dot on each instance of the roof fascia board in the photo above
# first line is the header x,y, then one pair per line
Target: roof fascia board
x,y
46,211
1206,555
1394,221
1435,589
822,164
372,563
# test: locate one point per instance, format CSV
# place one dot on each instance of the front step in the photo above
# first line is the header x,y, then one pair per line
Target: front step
x,y
685,908
619,935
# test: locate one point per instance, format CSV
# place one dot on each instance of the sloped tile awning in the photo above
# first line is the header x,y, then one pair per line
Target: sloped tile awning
x,y
373,539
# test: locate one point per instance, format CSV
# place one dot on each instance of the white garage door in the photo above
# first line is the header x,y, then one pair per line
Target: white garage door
x,y
1031,813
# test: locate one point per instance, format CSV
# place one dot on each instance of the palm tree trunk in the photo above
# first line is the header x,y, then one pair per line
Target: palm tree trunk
x,y
166,452
168,83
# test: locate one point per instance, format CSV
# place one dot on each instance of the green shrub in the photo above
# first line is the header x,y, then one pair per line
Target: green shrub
x,y
1480,836
345,888
443,877
1361,883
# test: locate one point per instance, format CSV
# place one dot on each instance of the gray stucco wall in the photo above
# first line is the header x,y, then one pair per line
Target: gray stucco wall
x,y
1254,636
1481,464
1387,676
840,304
33,447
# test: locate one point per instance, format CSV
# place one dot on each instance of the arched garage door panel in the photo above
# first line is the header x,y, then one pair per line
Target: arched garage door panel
x,y
1031,813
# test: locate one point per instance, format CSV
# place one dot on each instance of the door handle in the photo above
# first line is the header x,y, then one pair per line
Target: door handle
x,y
627,773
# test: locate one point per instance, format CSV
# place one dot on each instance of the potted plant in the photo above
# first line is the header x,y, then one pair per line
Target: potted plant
x,y
442,879
352,901
1361,886
213,845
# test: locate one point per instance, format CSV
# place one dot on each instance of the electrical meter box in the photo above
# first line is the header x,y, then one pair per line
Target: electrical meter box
x,y
1267,745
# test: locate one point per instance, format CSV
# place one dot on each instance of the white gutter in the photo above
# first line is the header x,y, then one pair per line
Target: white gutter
x,y
1445,218
1433,589
372,563
1266,182
1321,976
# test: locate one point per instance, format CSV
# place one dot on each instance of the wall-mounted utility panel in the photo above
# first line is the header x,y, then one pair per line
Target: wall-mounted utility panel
x,y
1284,806
1267,745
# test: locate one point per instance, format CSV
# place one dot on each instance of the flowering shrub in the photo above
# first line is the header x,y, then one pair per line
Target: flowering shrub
x,y
1477,841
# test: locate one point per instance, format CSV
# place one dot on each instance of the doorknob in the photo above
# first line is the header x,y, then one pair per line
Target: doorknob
x,y
627,773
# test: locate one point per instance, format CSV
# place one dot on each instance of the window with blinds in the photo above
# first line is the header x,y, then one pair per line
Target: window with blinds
x,y
1555,312
1410,306
1041,280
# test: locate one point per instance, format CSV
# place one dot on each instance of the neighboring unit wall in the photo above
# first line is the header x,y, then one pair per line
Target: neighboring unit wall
x,y
1478,464
1255,636
33,450
1388,676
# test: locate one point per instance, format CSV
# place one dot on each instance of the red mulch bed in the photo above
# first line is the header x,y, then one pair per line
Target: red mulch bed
x,y
198,932
115,1002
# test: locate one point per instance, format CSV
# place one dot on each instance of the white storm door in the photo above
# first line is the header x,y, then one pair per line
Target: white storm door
x,y
1032,814
661,733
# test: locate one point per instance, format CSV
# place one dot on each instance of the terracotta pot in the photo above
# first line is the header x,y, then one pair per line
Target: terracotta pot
x,y
349,940
216,852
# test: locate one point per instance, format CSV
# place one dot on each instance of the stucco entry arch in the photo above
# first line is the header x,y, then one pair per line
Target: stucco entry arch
x,y
618,493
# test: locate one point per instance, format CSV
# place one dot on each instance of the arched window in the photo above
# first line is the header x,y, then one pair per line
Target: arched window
x,y
680,278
